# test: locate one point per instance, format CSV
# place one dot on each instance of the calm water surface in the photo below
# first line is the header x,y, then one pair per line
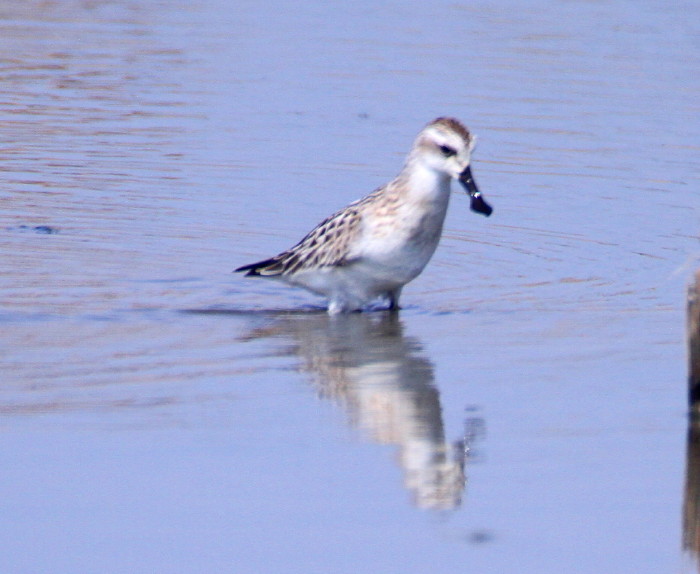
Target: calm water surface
x,y
525,412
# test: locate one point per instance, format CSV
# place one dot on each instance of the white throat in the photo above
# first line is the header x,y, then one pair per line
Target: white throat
x,y
427,184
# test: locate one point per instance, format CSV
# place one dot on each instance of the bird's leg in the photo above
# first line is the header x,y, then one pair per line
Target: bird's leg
x,y
393,297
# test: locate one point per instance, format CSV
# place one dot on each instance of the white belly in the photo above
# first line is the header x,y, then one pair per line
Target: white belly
x,y
380,265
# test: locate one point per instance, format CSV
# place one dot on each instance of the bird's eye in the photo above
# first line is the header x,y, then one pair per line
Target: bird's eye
x,y
447,151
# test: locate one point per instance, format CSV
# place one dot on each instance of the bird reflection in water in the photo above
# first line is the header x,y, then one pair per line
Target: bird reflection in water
x,y
385,383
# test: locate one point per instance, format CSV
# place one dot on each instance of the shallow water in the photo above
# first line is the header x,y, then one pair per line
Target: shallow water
x,y
525,412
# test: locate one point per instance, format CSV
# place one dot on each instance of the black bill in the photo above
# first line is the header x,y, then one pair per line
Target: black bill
x,y
477,202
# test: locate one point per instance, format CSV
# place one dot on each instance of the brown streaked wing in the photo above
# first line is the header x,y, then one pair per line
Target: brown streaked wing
x,y
326,245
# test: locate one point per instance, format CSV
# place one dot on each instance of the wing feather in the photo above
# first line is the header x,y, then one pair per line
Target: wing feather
x,y
326,245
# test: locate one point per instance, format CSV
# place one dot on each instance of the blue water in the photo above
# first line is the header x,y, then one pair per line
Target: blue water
x,y
525,412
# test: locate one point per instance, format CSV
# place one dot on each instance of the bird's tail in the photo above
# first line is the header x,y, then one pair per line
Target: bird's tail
x,y
267,268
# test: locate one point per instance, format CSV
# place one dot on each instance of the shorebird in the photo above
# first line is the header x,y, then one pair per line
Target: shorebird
x,y
377,244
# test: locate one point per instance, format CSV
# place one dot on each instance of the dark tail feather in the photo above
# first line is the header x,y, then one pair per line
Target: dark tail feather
x,y
254,269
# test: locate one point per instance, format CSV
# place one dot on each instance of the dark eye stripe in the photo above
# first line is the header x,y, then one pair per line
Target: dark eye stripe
x,y
447,151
